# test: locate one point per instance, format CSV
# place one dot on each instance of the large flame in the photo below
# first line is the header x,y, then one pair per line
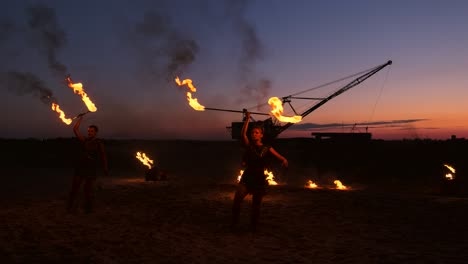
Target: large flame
x,y
56,108
277,110
270,177
450,176
187,82
144,159
339,185
193,102
78,89
310,184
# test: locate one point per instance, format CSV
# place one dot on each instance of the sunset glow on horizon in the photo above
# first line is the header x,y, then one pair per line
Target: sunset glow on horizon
x,y
129,66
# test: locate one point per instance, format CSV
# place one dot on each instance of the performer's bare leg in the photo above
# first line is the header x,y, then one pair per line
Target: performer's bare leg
x,y
71,203
256,203
239,196
89,195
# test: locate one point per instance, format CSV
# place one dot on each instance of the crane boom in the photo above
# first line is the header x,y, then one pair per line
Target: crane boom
x,y
272,131
350,85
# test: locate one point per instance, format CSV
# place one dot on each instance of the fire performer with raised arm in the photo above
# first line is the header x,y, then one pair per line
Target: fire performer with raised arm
x,y
91,154
253,179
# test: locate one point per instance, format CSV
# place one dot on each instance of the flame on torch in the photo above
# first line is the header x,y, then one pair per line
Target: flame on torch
x,y
193,102
277,110
78,89
450,176
339,185
56,108
310,184
144,159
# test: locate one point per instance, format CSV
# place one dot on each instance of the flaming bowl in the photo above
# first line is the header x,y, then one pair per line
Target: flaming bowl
x,y
453,182
155,174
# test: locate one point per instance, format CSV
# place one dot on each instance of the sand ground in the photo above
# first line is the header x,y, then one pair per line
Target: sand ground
x,y
186,219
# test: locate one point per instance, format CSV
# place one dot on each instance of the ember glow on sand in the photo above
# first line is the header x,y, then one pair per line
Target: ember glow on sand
x,y
144,159
193,102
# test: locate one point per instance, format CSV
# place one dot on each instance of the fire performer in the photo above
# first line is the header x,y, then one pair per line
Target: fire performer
x,y
92,150
253,179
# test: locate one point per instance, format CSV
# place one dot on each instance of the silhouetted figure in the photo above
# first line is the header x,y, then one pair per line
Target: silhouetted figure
x,y
253,179
92,153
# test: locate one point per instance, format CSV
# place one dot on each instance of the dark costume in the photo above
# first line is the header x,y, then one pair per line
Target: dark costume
x,y
256,161
86,171
88,160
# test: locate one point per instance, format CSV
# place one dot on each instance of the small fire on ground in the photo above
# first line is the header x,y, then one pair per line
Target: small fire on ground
x,y
270,177
451,175
311,185
338,185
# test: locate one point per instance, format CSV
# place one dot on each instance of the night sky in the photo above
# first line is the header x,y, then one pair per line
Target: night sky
x,y
238,55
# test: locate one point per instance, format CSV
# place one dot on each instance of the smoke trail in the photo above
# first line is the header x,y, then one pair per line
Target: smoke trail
x,y
7,29
181,53
259,91
42,21
252,51
153,25
177,50
251,46
26,83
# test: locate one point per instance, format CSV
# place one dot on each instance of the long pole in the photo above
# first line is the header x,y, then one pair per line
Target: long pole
x,y
234,111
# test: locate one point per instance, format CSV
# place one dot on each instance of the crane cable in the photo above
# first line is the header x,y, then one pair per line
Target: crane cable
x,y
258,106
378,97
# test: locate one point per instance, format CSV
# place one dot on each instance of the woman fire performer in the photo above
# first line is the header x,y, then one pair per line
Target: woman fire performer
x,y
92,150
253,179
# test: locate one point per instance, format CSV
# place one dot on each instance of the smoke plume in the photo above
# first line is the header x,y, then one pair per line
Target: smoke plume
x,y
51,38
251,46
22,83
258,91
252,51
7,28
175,49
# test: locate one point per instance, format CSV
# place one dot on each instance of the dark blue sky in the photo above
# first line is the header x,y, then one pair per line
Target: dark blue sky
x,y
238,54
